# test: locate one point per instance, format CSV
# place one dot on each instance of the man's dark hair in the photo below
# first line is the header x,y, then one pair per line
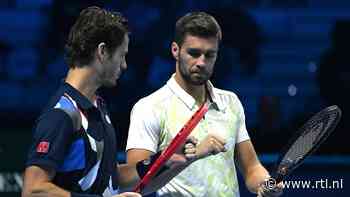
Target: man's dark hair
x,y
94,26
198,24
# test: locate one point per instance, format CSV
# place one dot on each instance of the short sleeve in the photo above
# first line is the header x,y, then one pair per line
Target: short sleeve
x,y
144,128
242,134
51,139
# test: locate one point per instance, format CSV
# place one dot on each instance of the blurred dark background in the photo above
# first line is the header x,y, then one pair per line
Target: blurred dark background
x,y
286,60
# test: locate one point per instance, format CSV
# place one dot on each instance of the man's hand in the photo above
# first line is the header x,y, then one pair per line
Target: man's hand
x,y
189,148
270,189
128,194
184,154
193,150
210,145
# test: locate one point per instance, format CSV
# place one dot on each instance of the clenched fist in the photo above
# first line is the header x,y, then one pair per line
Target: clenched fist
x,y
210,145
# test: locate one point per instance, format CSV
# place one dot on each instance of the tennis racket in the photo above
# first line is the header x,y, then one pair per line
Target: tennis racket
x,y
306,141
178,141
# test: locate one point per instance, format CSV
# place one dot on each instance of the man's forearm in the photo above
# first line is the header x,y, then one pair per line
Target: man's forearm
x,y
127,176
50,190
163,178
37,182
44,189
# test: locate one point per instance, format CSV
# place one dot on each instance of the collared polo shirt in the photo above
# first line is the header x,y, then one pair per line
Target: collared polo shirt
x,y
156,119
83,157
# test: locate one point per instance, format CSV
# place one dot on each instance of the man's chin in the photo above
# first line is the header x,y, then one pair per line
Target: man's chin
x,y
110,84
198,81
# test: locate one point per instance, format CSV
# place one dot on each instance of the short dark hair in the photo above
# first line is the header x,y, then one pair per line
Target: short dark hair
x,y
93,26
197,24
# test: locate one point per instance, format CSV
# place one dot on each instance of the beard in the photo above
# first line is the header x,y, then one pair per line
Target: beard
x,y
110,75
108,83
193,78
109,79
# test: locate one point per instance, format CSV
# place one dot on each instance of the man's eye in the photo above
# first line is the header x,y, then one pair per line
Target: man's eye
x,y
210,55
194,54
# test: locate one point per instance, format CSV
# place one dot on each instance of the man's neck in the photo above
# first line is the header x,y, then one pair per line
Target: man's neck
x,y
84,81
198,92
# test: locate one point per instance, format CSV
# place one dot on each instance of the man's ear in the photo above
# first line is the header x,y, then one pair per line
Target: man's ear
x,y
101,52
175,50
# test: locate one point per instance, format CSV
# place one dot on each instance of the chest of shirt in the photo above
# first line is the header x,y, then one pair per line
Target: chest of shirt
x,y
97,125
222,123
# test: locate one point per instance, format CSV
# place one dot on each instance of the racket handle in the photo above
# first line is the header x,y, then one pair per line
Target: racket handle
x,y
278,178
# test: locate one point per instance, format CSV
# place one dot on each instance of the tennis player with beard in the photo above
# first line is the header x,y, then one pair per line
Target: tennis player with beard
x,y
157,118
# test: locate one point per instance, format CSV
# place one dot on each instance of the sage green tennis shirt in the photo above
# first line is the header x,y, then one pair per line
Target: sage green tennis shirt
x,y
157,118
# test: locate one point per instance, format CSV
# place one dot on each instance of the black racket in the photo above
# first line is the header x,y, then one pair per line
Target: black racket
x,y
306,141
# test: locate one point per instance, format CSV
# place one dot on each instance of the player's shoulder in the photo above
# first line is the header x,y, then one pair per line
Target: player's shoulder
x,y
160,97
65,103
225,95
69,106
230,99
61,108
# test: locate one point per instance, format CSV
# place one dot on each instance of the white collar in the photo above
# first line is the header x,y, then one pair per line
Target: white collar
x,y
188,99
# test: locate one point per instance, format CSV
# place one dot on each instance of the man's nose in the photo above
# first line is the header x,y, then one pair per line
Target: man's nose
x,y
201,60
124,66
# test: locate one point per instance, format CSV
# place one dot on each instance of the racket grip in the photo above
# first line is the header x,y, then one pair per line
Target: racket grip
x,y
278,178
282,171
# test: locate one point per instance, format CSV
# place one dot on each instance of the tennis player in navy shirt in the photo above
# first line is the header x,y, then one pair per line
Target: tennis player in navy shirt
x,y
73,152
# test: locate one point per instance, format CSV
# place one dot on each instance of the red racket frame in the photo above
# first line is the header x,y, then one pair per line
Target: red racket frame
x,y
178,140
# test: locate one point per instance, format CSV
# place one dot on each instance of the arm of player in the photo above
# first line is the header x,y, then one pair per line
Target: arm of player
x,y
211,145
37,183
179,161
128,174
40,169
54,127
254,173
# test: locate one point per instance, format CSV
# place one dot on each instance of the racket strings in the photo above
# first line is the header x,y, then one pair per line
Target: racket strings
x,y
307,140
312,133
327,118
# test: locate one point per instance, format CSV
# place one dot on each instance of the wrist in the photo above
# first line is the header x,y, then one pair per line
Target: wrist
x,y
144,166
201,154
